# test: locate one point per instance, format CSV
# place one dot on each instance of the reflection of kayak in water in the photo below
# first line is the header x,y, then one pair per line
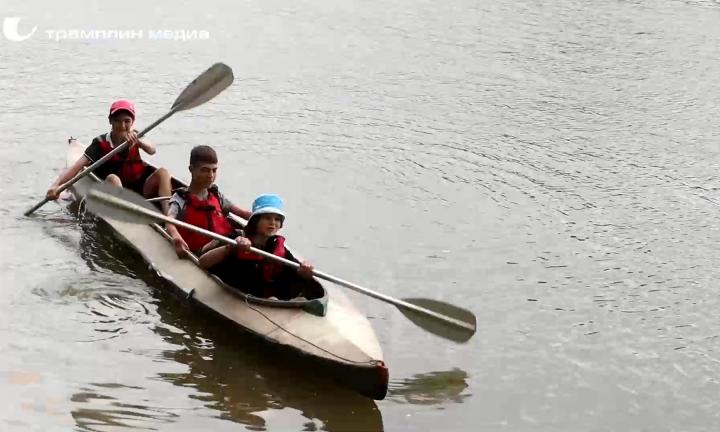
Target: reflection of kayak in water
x,y
254,386
327,328
432,388
255,393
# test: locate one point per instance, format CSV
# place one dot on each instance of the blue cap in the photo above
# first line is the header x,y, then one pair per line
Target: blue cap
x,y
268,203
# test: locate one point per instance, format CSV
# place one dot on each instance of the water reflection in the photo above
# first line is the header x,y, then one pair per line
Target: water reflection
x,y
236,376
114,413
56,227
434,388
102,250
246,381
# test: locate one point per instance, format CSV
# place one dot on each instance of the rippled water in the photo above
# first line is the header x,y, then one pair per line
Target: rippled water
x,y
551,166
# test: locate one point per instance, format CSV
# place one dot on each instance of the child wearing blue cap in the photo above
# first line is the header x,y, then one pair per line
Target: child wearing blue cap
x,y
255,275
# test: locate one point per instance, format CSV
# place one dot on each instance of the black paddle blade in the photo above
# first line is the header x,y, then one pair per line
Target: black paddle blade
x,y
460,332
205,87
104,199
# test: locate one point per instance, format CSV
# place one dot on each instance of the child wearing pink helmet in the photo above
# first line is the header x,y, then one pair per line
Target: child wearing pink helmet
x,y
126,168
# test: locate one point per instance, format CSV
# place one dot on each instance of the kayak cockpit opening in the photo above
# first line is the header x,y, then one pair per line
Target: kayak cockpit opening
x,y
314,299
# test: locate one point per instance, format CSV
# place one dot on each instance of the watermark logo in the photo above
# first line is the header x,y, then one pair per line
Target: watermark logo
x,y
11,29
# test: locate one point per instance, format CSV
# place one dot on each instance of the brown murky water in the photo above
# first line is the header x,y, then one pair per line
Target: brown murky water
x,y
552,167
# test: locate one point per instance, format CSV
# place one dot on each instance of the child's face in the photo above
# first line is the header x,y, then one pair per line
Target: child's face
x,y
204,174
269,224
121,123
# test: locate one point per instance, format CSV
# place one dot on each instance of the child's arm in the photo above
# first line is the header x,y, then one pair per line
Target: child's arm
x,y
306,268
66,175
245,214
147,146
181,247
215,256
144,143
229,207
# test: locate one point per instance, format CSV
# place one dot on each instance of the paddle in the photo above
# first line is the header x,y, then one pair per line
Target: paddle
x,y
205,87
440,318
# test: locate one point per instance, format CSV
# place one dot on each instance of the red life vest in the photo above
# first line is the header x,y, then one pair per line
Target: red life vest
x,y
270,270
128,164
206,214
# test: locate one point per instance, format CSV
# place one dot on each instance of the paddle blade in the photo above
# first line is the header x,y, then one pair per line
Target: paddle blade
x,y
104,199
205,87
457,333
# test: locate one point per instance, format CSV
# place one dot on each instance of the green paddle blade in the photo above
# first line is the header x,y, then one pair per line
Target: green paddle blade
x,y
458,332
104,199
205,87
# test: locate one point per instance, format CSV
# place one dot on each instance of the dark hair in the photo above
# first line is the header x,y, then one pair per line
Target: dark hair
x,y
117,113
203,154
251,227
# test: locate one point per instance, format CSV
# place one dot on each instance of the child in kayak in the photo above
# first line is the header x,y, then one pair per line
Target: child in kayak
x,y
126,168
201,204
252,273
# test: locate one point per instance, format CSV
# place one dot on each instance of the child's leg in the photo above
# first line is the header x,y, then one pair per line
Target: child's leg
x,y
113,180
158,184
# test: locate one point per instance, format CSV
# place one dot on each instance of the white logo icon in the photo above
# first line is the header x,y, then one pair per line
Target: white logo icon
x,y
10,29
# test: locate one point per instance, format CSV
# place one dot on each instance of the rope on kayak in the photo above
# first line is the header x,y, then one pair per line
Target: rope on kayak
x,y
371,362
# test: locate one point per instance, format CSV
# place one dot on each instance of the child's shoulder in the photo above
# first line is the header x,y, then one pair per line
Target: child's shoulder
x,y
215,190
100,137
95,142
178,196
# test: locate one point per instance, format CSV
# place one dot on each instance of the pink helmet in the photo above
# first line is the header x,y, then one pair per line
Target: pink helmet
x,y
123,105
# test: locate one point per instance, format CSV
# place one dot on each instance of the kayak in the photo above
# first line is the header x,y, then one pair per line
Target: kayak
x,y
326,329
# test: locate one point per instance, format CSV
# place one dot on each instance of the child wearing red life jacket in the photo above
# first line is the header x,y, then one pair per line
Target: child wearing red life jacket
x,y
201,204
252,273
126,168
